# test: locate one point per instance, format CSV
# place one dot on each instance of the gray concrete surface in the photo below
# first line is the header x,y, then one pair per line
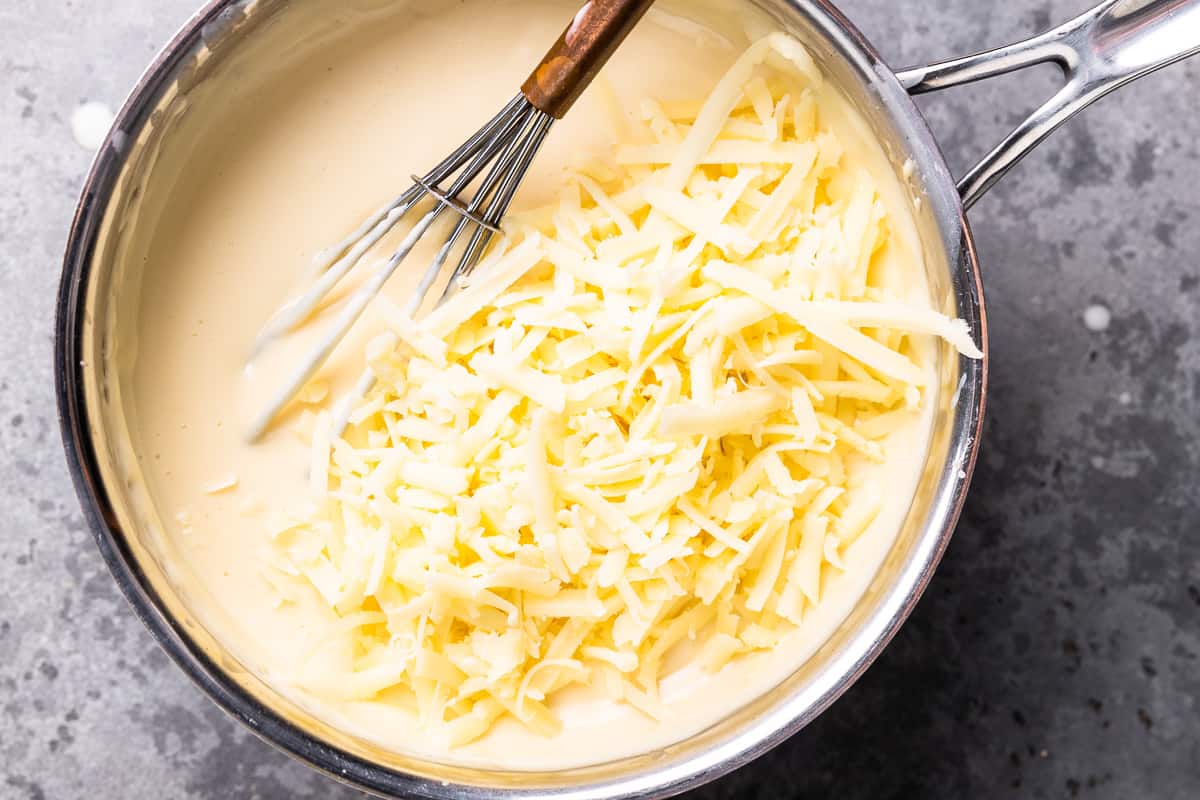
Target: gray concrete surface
x,y
1056,653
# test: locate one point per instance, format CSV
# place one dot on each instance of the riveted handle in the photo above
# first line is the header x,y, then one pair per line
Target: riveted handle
x,y
1100,50
584,47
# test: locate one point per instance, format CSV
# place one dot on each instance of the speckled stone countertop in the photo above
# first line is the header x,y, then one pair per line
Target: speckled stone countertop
x,y
1057,652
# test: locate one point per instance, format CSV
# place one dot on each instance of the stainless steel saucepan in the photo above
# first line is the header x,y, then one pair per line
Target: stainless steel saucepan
x,y
1114,43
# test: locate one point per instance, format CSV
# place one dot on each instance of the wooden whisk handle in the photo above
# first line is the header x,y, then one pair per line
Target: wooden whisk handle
x,y
584,47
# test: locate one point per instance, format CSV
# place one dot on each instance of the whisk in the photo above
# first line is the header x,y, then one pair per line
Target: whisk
x,y
501,151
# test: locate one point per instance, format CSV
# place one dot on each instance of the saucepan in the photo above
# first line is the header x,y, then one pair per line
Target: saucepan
x,y
1106,47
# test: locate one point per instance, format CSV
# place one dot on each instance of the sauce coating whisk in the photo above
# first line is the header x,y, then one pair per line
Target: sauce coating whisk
x,y
501,151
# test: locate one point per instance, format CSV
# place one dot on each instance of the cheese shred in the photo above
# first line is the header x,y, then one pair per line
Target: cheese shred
x,y
631,433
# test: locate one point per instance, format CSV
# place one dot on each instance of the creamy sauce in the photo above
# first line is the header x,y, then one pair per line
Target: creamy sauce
x,y
291,165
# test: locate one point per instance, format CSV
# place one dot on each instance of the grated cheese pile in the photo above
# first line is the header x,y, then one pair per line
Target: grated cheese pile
x,y
637,427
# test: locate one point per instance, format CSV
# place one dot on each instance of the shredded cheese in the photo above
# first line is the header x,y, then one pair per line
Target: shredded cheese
x,y
632,430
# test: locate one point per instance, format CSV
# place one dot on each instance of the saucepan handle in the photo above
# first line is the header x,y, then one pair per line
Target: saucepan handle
x,y
1098,51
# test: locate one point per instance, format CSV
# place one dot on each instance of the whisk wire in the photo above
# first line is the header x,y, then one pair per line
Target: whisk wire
x,y
338,260
523,155
508,142
446,167
471,214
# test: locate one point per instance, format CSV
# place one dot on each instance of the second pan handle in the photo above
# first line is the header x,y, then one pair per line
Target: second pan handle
x,y
1098,51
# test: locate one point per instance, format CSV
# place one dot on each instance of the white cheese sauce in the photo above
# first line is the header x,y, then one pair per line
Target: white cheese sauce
x,y
286,163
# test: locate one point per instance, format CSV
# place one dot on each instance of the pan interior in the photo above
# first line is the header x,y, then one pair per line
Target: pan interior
x,y
166,134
